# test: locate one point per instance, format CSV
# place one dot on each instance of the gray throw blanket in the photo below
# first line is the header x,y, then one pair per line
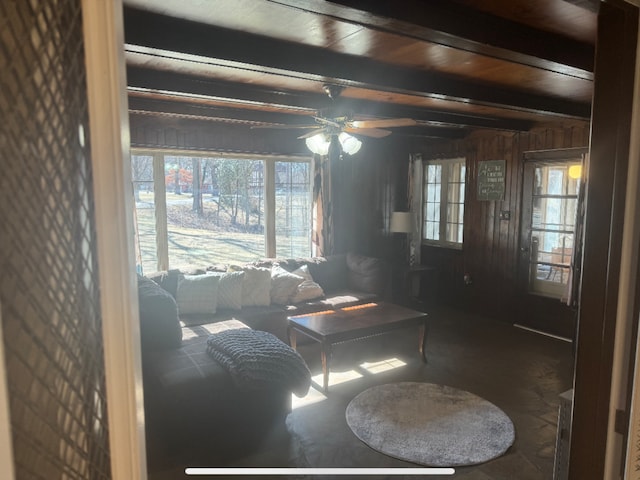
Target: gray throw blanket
x,y
259,360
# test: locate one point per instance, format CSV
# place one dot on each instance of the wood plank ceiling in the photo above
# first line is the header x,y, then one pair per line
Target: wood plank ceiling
x,y
452,66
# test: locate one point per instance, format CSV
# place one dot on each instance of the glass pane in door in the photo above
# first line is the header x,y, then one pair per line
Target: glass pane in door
x,y
554,204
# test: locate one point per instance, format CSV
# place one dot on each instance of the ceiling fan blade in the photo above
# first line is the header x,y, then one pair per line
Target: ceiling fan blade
x,y
385,123
369,132
313,132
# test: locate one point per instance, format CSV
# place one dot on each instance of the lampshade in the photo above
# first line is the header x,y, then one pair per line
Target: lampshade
x,y
401,222
319,144
350,145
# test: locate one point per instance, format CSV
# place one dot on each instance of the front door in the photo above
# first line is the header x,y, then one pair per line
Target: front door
x,y
549,241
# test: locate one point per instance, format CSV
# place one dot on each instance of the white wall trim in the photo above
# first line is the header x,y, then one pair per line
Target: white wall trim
x,y
6,446
109,127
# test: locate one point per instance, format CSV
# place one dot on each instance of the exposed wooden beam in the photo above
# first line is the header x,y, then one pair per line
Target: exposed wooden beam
x,y
230,47
225,114
170,81
150,106
165,81
459,26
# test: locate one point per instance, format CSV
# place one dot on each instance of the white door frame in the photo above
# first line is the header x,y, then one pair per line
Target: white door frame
x,y
109,128
622,360
105,65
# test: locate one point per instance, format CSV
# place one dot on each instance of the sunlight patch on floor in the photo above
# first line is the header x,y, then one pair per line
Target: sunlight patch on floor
x,y
336,378
383,365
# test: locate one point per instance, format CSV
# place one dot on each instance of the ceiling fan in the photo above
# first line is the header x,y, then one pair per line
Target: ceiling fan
x,y
341,127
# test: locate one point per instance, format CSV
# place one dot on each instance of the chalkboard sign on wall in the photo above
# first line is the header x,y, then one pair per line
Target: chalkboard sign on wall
x,y
491,180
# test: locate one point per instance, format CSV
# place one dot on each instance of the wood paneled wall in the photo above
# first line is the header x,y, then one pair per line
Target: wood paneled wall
x,y
375,185
491,244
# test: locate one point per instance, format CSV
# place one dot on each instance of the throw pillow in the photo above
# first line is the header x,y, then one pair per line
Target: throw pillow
x,y
283,285
256,286
197,294
229,289
366,274
167,280
330,272
308,289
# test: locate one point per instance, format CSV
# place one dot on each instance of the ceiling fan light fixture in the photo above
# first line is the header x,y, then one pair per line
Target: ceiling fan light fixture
x,y
350,145
318,144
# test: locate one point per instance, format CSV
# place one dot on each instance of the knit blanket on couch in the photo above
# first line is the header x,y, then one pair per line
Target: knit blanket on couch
x,y
259,360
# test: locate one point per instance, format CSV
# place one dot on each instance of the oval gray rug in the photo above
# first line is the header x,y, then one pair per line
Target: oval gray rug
x,y
430,424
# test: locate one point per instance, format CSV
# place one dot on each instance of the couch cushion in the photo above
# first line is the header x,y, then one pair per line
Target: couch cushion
x,y
197,294
330,272
159,326
366,274
270,319
194,319
184,369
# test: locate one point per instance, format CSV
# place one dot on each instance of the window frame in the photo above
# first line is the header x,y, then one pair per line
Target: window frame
x,y
445,180
162,250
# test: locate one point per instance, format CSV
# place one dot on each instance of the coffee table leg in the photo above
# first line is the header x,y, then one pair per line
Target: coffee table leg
x,y
422,335
292,337
325,355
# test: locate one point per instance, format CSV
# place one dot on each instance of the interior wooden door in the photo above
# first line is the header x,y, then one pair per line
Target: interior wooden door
x,y
549,241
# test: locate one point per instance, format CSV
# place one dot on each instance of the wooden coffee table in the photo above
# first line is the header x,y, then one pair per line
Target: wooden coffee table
x,y
343,324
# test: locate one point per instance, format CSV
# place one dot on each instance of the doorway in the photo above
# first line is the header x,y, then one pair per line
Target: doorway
x,y
550,240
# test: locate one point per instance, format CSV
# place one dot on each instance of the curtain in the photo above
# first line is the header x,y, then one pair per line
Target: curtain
x,y
414,200
322,229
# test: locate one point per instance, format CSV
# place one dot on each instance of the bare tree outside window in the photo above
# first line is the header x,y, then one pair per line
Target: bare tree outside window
x,y
215,210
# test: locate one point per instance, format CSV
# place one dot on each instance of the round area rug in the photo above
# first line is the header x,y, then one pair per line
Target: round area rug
x,y
430,424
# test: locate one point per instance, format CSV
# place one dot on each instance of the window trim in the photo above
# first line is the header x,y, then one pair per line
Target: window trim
x,y
444,202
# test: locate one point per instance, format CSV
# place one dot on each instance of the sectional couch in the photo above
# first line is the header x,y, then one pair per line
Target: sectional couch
x,y
190,400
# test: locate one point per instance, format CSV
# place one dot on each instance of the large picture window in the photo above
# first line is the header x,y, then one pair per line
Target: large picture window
x,y
195,211
443,202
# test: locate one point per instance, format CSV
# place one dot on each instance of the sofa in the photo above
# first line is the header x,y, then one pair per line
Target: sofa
x,y
191,402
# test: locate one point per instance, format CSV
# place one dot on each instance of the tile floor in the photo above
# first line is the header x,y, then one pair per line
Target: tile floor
x,y
520,371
